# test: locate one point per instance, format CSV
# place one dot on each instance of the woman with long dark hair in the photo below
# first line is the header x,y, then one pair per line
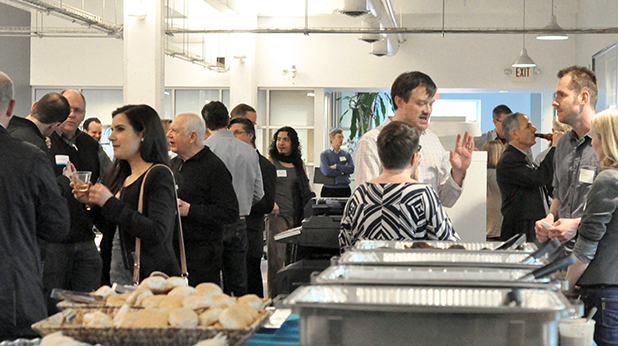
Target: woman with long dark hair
x,y
292,194
139,144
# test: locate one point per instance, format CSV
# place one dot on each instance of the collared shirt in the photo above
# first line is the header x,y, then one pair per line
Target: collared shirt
x,y
434,169
492,135
344,166
242,161
575,167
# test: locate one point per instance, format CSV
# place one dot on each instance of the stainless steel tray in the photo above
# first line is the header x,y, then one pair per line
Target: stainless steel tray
x,y
378,315
444,245
431,276
440,258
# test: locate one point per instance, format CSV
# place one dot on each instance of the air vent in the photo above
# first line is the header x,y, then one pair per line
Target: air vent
x,y
354,8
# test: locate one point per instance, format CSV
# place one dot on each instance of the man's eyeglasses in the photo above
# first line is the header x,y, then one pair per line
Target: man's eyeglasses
x,y
78,111
236,133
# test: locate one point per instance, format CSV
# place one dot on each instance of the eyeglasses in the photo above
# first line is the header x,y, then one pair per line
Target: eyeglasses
x,y
236,133
419,148
78,111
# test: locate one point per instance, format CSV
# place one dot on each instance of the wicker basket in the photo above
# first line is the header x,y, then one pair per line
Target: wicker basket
x,y
162,336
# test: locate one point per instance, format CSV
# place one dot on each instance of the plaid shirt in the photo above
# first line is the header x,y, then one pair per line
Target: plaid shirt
x,y
435,168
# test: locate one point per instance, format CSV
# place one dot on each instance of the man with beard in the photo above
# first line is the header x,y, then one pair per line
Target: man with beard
x,y
575,163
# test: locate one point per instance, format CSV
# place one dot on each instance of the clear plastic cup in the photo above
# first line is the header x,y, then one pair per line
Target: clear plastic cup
x,y
576,332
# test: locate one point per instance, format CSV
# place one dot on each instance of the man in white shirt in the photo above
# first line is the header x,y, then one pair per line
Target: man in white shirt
x,y
413,95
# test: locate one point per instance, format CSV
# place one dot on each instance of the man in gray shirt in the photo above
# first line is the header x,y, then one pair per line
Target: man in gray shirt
x,y
242,162
575,164
498,114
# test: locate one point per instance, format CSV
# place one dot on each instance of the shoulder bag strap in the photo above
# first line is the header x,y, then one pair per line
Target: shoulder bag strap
x,y
140,206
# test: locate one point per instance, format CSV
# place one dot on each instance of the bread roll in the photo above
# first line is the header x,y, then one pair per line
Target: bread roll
x,y
133,298
171,302
116,300
183,317
210,316
156,284
152,302
197,301
145,318
249,312
175,281
233,319
252,300
104,291
183,291
219,340
97,319
222,301
208,288
57,339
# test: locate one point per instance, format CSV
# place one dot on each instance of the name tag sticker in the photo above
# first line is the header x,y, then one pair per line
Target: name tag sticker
x,y
586,176
342,158
62,160
282,173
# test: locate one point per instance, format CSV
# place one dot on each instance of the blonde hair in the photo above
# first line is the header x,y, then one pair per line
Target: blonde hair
x,y
494,150
605,124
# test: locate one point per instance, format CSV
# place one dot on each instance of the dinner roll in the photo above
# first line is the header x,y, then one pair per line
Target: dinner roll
x,y
197,301
171,302
222,301
116,300
208,288
233,318
153,301
175,281
183,291
183,317
104,291
210,316
97,319
156,284
252,300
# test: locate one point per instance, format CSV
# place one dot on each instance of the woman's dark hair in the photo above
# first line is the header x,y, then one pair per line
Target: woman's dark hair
x,y
397,143
295,156
154,145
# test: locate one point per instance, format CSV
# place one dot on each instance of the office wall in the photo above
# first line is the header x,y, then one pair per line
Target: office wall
x,y
15,57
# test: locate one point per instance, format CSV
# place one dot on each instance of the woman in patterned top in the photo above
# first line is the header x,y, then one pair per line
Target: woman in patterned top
x,y
394,206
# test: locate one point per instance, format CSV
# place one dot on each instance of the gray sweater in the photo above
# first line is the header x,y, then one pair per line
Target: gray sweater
x,y
597,242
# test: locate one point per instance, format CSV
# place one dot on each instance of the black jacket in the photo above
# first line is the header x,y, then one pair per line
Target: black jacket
x,y
255,220
521,185
155,227
27,131
206,184
30,206
85,156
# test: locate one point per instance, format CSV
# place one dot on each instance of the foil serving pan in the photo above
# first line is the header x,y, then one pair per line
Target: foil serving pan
x,y
395,315
432,276
443,245
439,258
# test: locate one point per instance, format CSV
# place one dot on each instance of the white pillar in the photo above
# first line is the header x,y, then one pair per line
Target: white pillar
x,y
243,84
144,67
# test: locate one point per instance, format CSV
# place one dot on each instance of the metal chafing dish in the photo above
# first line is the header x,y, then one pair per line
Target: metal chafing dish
x,y
433,276
444,245
396,315
440,258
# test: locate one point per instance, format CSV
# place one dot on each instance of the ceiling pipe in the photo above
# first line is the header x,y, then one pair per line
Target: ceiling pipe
x,y
403,30
77,15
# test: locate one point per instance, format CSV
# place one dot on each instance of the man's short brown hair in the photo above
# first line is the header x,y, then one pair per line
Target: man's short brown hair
x,y
582,79
241,110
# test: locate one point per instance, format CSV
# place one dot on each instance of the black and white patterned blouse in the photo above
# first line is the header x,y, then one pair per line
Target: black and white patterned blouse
x,y
405,211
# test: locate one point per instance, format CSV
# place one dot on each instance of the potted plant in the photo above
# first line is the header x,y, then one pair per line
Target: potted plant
x,y
365,108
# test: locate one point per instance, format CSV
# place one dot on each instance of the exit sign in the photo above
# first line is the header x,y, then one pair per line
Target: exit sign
x,y
522,74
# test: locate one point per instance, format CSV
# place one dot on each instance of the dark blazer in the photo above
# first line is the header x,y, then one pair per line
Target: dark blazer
x,y
255,220
521,187
30,206
27,131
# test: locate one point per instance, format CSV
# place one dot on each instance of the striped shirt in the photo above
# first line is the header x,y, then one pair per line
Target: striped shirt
x,y
435,168
406,211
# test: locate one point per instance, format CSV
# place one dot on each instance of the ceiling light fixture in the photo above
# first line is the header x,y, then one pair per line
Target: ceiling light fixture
x,y
524,60
555,32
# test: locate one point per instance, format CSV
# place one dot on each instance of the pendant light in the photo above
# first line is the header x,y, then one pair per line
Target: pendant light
x,y
555,32
524,60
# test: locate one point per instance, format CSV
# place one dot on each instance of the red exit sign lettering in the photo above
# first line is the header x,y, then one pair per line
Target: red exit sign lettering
x,y
523,72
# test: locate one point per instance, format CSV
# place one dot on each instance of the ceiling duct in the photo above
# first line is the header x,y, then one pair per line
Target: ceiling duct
x,y
388,46
354,8
371,37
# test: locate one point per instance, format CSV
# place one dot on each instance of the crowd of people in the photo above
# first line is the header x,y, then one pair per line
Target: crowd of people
x,y
221,188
